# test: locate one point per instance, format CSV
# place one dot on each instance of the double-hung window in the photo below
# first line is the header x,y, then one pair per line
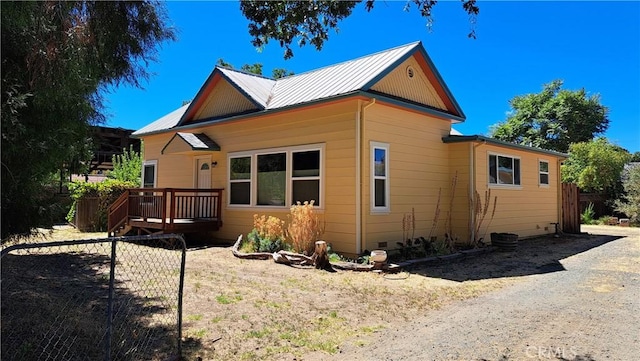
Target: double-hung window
x,y
504,170
276,178
240,180
544,172
379,177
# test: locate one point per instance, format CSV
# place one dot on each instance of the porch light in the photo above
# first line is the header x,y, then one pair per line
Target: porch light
x,y
214,164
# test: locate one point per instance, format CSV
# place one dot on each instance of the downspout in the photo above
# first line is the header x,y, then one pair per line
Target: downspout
x,y
559,195
360,127
472,188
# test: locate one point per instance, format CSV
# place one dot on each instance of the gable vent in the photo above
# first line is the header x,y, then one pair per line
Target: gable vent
x,y
410,72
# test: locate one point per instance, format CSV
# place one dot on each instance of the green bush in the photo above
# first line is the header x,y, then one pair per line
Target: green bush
x,y
270,245
587,217
629,204
107,192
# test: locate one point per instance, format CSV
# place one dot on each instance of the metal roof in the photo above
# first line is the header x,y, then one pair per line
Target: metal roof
x,y
348,77
199,141
167,122
257,87
483,139
336,79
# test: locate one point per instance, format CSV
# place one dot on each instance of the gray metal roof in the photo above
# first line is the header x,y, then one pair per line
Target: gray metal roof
x,y
324,83
255,86
199,141
481,138
167,122
336,79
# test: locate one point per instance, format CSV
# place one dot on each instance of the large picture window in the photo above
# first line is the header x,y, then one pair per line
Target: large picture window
x,y
379,177
276,177
504,170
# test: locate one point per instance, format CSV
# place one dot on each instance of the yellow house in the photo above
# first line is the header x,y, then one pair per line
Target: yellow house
x,y
368,140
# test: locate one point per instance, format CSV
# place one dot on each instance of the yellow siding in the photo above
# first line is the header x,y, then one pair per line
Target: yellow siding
x,y
529,209
223,100
173,170
459,163
418,168
417,89
332,125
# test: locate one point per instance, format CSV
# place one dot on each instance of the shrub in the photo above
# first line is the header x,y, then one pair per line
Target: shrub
x,y
127,167
304,228
587,216
267,234
629,204
107,192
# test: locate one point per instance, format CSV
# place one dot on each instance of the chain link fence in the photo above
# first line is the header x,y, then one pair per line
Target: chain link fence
x,y
99,299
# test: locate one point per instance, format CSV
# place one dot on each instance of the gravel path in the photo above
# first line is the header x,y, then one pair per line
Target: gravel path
x,y
586,309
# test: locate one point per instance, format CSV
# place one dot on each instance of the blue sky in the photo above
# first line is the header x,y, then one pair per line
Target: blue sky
x,y
519,47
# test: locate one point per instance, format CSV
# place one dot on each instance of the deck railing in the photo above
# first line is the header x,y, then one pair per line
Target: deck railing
x,y
165,206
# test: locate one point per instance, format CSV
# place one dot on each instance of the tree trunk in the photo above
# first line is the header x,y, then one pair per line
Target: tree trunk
x,y
321,256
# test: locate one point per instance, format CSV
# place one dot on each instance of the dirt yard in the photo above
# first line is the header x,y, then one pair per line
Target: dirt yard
x,y
258,310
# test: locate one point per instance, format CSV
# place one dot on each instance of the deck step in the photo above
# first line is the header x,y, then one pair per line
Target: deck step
x,y
123,230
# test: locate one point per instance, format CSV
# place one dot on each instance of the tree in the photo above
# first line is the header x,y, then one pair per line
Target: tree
x,y
309,22
595,166
635,157
58,57
127,167
553,118
629,204
256,68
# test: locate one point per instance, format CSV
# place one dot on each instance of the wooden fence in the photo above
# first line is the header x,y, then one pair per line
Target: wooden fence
x,y
570,208
87,214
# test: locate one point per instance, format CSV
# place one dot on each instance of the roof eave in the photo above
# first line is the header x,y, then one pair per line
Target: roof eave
x,y
413,106
483,139
404,104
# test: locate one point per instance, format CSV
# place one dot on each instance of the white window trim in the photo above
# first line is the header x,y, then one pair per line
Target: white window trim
x,y
289,172
372,200
500,185
155,172
250,180
544,185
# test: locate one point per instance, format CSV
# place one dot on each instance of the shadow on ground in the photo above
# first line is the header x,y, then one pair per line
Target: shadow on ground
x,y
533,256
54,306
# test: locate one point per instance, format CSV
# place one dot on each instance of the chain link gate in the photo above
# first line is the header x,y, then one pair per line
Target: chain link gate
x,y
99,299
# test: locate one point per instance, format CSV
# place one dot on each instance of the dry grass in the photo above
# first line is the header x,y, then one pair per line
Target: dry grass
x,y
254,310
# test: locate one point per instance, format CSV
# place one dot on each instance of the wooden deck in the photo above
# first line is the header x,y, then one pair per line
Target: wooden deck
x,y
166,210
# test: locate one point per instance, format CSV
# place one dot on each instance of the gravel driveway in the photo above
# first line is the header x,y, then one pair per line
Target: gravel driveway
x,y
584,307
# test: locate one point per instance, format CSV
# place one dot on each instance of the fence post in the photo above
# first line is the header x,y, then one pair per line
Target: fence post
x,y
180,290
112,276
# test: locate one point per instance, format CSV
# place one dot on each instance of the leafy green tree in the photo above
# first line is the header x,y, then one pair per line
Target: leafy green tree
x,y
278,73
256,68
58,57
553,118
595,166
127,167
629,204
635,157
309,22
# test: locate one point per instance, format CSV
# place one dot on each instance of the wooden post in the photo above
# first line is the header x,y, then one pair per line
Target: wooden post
x,y
320,255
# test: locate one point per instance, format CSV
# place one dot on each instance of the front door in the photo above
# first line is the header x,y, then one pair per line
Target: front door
x,y
203,181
